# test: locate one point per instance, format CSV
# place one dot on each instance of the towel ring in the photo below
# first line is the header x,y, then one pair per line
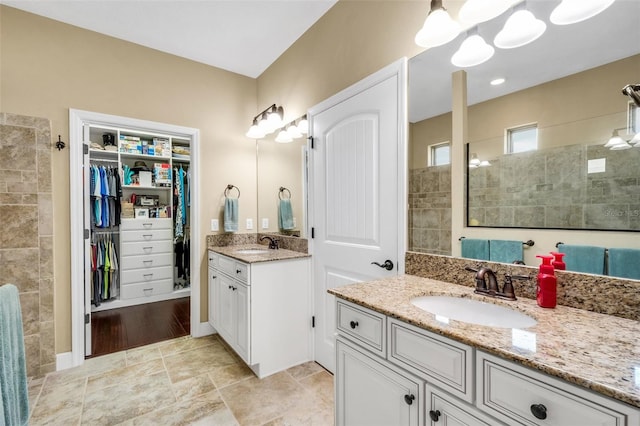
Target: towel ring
x,y
229,188
282,189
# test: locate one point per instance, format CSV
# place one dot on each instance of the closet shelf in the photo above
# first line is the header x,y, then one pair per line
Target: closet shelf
x,y
144,156
160,188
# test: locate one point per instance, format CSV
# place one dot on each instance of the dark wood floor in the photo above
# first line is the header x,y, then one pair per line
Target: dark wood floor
x,y
125,328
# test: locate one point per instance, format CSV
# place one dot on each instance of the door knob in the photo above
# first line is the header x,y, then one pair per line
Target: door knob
x,y
388,265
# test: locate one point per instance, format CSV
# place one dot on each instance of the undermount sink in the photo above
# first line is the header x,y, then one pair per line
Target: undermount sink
x,y
473,311
252,251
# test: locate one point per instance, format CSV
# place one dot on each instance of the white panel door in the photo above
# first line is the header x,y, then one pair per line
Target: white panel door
x,y
357,193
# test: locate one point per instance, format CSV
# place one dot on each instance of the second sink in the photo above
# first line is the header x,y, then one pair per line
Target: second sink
x,y
473,311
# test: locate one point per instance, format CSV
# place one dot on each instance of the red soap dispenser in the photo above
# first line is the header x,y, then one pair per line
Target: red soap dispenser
x,y
558,263
546,289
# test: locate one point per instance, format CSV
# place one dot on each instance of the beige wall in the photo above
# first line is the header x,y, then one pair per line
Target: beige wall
x,y
47,67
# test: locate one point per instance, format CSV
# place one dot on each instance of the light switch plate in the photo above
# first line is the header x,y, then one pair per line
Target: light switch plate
x,y
265,223
214,224
249,223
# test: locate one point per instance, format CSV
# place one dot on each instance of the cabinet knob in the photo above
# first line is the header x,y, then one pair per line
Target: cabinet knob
x,y
214,277
409,399
434,415
238,271
230,287
539,411
353,324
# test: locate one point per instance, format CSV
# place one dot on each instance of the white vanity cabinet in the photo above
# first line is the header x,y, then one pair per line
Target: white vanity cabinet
x,y
262,310
381,359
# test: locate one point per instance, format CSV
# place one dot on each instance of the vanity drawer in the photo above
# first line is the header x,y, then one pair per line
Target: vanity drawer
x,y
437,359
234,268
146,248
145,224
155,288
146,261
146,235
513,393
146,275
213,260
364,326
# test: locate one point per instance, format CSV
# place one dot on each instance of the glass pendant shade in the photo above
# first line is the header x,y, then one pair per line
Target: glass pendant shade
x,y
620,147
274,120
263,124
255,132
294,132
303,125
484,163
473,51
635,141
476,11
438,29
283,137
614,141
572,11
475,161
521,28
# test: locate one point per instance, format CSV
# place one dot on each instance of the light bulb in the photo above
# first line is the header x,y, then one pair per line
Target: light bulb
x,y
573,11
255,132
521,28
294,132
438,29
473,51
283,137
303,125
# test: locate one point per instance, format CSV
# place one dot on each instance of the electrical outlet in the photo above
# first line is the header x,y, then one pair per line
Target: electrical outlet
x,y
214,224
265,223
249,223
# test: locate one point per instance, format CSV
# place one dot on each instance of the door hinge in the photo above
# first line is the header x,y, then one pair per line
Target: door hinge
x,y
85,148
312,142
87,318
313,232
313,321
86,234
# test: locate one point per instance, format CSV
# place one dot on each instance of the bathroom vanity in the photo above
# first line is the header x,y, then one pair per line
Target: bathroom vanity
x,y
260,304
399,364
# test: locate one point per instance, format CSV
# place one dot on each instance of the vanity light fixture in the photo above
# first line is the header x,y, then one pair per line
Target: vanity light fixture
x,y
438,28
573,11
284,137
616,143
473,51
476,11
521,28
266,122
255,132
475,161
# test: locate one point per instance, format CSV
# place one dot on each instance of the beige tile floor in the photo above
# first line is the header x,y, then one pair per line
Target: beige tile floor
x,y
183,381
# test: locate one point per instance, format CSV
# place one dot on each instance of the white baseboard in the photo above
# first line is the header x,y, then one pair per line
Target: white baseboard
x,y
204,329
64,361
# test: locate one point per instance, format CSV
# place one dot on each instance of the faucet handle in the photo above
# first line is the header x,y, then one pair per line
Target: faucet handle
x,y
519,277
507,288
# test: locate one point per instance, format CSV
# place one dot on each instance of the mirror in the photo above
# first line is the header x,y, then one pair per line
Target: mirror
x,y
281,165
560,52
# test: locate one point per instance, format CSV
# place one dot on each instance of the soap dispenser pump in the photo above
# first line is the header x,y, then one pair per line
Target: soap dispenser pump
x,y
547,283
558,263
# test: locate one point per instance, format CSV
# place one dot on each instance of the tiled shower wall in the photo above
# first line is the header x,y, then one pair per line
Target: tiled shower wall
x,y
26,236
553,188
430,210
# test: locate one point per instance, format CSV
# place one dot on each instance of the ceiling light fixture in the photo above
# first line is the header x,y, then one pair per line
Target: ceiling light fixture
x,y
473,51
438,28
476,11
573,11
521,28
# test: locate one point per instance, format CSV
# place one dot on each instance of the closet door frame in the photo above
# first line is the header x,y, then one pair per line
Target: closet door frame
x,y
77,120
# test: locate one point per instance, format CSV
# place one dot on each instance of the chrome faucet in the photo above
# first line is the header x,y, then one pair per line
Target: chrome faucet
x,y
273,243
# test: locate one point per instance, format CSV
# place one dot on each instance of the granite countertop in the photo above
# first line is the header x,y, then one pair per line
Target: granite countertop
x,y
595,351
268,256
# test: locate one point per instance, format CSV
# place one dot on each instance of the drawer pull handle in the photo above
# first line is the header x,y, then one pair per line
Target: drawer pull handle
x,y
147,225
147,262
147,289
147,236
409,399
147,249
434,415
353,324
539,411
147,276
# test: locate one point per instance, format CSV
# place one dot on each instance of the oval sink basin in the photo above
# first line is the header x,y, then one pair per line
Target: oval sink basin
x,y
252,251
473,311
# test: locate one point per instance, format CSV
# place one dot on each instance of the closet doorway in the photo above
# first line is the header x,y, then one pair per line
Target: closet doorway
x,y
134,202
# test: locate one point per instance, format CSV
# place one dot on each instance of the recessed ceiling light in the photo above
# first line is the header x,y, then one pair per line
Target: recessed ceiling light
x,y
497,81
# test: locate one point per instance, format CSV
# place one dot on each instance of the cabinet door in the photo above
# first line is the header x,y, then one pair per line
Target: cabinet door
x,y
225,305
443,409
369,393
242,310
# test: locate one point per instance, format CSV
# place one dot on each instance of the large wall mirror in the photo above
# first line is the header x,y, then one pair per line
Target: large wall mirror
x,y
281,176
567,85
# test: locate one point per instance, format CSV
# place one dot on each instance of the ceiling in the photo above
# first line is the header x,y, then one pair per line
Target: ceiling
x,y
241,36
562,50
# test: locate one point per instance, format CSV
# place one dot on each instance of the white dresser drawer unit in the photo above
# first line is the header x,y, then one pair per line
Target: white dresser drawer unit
x,y
146,248
517,395
134,291
234,268
145,224
147,236
363,325
437,359
146,275
146,261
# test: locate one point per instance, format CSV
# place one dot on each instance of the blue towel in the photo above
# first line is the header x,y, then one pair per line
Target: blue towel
x,y
14,398
475,249
505,251
624,263
230,214
587,259
285,214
